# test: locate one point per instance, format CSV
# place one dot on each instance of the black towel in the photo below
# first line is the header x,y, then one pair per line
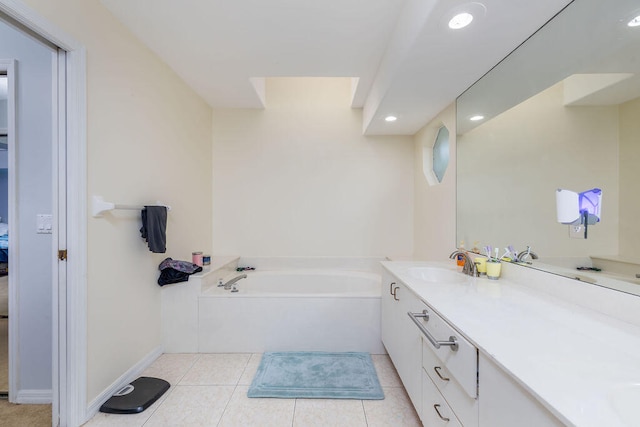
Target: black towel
x,y
154,228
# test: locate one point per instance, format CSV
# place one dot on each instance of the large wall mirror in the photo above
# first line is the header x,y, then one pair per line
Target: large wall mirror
x,y
561,111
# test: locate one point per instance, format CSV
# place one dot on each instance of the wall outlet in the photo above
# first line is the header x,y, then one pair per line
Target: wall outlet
x,y
576,231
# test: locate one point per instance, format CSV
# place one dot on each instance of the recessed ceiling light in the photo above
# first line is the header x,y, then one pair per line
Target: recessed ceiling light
x,y
461,20
635,22
476,118
390,119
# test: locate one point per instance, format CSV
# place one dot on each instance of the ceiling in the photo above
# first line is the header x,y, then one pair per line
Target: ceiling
x,y
403,58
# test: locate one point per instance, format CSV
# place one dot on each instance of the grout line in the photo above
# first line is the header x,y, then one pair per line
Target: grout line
x,y
195,360
293,415
245,367
224,411
366,420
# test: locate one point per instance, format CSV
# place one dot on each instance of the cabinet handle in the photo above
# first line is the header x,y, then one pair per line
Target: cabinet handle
x,y
437,369
436,406
395,297
391,287
453,341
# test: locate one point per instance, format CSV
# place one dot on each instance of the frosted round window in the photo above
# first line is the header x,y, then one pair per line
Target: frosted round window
x,y
435,159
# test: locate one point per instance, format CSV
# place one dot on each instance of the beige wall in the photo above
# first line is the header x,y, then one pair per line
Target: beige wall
x,y
149,138
513,164
629,179
435,206
299,178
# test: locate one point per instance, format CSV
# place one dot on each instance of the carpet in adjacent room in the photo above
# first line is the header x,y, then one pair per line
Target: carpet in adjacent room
x,y
316,375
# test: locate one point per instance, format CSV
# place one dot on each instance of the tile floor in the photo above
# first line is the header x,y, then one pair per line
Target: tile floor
x,y
211,390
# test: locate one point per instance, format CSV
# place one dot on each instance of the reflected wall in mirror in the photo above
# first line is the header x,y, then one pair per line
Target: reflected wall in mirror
x,y
562,111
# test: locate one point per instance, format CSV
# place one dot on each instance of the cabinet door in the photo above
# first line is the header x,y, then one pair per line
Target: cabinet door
x,y
410,340
504,403
401,337
389,316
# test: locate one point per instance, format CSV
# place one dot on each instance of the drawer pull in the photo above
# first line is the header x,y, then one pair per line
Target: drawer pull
x,y
436,406
453,341
395,297
391,287
437,369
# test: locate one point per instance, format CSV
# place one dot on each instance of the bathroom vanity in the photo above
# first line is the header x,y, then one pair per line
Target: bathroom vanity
x,y
515,351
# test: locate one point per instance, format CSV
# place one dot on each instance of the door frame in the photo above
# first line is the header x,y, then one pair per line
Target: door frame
x,y
8,66
69,332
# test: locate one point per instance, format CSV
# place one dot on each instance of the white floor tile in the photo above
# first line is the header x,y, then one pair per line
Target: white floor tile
x,y
387,374
216,369
212,389
171,367
329,413
394,411
192,406
244,412
251,369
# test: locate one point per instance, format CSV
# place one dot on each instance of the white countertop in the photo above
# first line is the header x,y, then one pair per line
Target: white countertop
x,y
583,365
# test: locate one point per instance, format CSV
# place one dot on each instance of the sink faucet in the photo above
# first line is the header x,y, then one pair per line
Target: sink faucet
x,y
522,256
469,266
232,282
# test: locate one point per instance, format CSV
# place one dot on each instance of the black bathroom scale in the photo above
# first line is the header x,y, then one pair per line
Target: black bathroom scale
x,y
136,397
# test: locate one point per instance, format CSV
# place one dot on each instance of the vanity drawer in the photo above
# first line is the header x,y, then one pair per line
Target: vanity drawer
x,y
435,409
464,405
462,362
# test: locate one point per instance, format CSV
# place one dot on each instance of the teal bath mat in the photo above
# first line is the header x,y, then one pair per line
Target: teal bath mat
x,y
316,375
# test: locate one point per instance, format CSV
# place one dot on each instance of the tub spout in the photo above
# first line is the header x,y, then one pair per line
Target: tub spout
x,y
227,285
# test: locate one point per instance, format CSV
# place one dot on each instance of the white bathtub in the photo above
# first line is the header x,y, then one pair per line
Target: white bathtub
x,y
288,310
307,282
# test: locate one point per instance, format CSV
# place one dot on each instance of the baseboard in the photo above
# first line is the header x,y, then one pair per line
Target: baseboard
x,y
122,381
34,397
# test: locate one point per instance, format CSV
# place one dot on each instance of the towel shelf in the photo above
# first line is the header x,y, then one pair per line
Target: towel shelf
x,y
100,206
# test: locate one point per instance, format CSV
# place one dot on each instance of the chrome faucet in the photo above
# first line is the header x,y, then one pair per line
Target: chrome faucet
x,y
522,256
232,282
469,266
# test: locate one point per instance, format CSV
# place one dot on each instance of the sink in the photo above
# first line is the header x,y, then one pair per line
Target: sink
x,y
624,400
437,275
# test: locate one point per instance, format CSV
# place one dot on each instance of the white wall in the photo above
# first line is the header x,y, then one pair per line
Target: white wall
x,y
629,178
149,138
34,174
435,206
513,164
299,178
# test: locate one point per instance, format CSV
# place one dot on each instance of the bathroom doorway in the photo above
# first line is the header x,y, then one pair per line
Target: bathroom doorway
x,y
68,285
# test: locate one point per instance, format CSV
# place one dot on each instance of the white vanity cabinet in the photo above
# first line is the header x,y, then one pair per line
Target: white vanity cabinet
x,y
400,336
461,387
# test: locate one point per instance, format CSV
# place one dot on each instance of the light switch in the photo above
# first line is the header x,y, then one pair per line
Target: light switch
x,y
44,224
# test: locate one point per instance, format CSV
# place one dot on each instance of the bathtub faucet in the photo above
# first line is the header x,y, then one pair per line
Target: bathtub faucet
x,y
232,282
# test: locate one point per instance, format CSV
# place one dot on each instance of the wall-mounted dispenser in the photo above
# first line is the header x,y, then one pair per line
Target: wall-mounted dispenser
x,y
576,209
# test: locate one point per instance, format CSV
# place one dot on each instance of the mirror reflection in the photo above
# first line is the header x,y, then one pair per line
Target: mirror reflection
x,y
561,112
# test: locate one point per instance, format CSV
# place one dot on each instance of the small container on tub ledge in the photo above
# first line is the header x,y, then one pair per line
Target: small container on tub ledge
x,y
196,258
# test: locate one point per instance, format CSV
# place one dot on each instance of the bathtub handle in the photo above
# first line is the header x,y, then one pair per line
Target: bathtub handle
x,y
391,287
394,293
